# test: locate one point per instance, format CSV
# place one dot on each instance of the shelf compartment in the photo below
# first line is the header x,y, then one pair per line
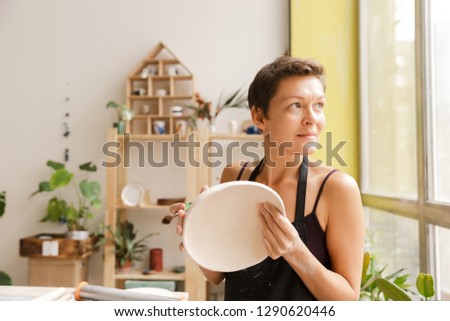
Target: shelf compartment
x,y
164,275
139,125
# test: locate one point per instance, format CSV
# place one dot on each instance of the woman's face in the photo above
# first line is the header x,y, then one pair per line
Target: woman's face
x,y
296,114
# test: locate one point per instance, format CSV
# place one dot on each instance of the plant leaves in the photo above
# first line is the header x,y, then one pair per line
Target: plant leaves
x,y
5,279
112,104
43,187
60,178
56,210
91,190
366,261
425,285
55,165
391,290
401,281
2,203
88,167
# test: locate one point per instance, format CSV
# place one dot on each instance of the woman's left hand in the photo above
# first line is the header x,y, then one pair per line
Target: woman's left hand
x,y
280,236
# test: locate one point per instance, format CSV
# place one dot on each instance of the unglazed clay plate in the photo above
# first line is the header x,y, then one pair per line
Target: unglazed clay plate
x,y
222,231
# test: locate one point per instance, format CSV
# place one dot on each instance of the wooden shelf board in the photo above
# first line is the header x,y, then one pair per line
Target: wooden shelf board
x,y
164,61
164,275
165,137
144,206
134,97
164,77
235,137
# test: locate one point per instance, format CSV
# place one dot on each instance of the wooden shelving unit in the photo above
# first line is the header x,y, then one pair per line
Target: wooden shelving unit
x,y
157,84
160,70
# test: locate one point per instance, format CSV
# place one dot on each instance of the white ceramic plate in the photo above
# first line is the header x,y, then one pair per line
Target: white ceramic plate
x,y
133,194
222,231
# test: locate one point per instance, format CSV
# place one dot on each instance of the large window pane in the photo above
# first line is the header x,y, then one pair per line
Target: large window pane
x,y
442,253
439,113
394,242
388,97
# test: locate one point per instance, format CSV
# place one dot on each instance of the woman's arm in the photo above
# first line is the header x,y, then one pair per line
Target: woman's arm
x,y
345,231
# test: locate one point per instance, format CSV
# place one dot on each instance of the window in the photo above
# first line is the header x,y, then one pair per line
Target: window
x,y
389,122
393,241
438,61
405,112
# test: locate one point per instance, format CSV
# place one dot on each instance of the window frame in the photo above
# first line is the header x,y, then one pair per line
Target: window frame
x,y
429,213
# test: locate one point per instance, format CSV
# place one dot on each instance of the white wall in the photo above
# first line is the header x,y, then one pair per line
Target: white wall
x,y
84,49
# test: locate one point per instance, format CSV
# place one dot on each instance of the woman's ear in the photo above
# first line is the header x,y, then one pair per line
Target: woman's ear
x,y
258,118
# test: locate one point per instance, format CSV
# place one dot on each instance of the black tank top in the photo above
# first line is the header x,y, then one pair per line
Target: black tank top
x,y
276,280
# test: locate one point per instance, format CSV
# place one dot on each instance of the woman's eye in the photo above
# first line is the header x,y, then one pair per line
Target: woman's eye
x,y
295,106
319,106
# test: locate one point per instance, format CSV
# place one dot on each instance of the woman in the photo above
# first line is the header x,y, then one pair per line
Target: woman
x,y
316,247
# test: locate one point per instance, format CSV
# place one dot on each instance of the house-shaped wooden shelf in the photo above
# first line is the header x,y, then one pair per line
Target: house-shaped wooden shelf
x,y
156,89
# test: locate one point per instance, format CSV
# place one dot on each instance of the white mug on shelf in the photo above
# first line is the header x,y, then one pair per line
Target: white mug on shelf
x,y
233,127
161,92
176,111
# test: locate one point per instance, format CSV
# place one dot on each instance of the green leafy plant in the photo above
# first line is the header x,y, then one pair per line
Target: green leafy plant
x,y
75,216
376,287
2,203
126,247
5,279
125,114
202,109
237,99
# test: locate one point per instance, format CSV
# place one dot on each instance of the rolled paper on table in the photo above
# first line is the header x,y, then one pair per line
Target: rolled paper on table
x,y
86,292
53,295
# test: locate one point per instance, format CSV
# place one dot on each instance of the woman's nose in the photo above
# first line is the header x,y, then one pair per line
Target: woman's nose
x,y
309,117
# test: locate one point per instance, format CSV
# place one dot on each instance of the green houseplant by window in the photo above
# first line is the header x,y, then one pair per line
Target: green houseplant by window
x,y
127,248
393,287
60,209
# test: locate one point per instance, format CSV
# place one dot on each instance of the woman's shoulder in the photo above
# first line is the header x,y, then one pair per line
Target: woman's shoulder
x,y
336,183
340,188
336,178
243,169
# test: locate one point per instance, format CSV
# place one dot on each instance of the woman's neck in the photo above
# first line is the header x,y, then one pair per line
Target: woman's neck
x,y
278,169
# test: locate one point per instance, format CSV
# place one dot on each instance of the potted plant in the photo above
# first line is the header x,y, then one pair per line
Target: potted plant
x,y
376,287
127,248
202,109
5,279
74,214
125,114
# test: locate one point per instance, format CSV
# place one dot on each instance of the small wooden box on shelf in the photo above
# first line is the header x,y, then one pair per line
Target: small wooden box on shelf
x,y
67,267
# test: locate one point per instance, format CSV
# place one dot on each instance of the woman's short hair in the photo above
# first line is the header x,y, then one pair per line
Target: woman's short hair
x,y
266,81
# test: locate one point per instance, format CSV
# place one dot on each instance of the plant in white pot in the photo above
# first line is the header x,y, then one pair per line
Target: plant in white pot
x,y
62,209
